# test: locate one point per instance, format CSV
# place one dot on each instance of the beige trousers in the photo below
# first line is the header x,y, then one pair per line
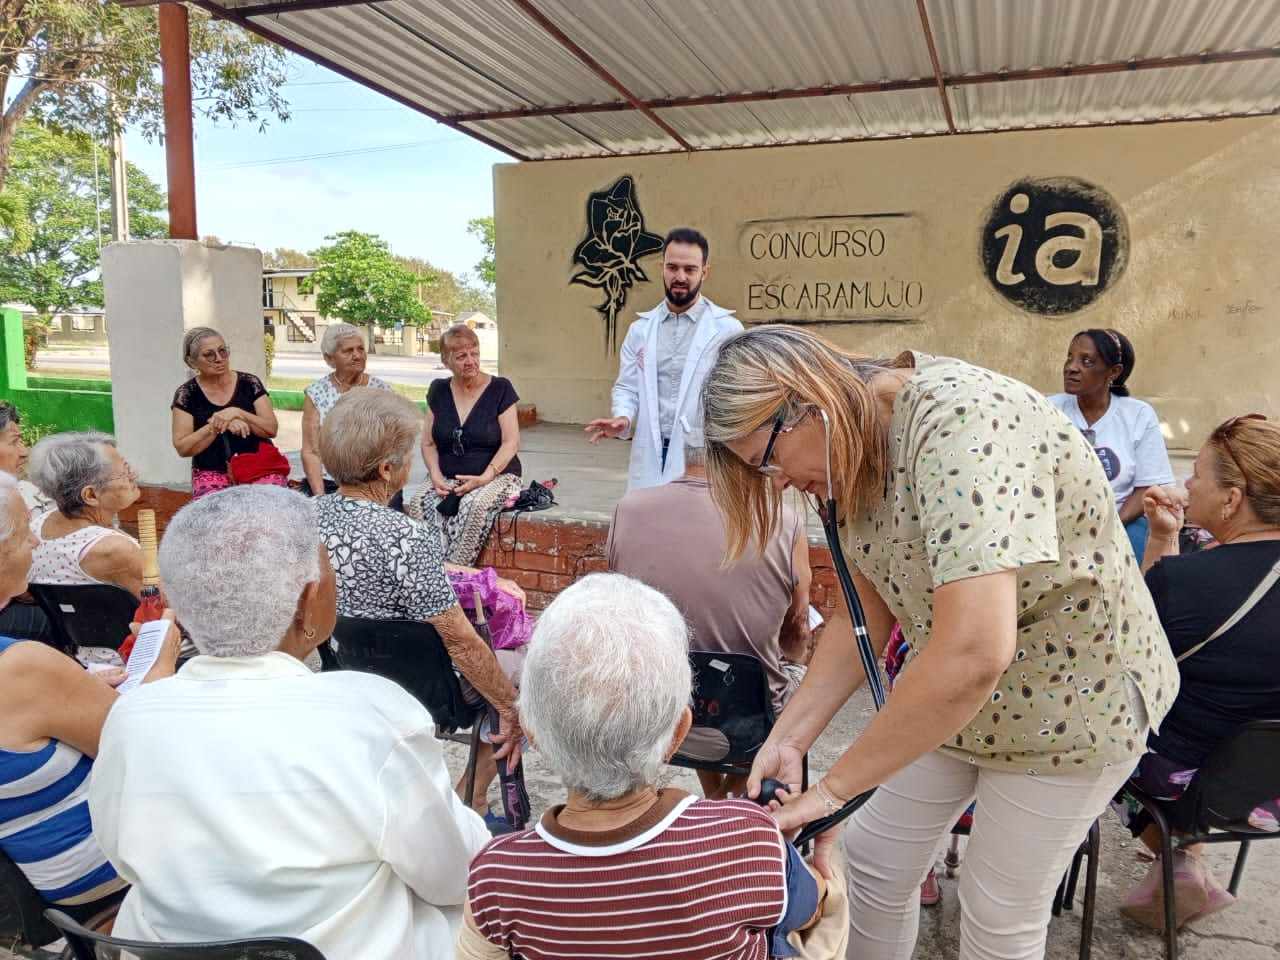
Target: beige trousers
x,y
1025,831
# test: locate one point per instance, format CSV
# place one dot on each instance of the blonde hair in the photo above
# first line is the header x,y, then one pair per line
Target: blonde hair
x,y
1246,455
773,369
453,332
366,428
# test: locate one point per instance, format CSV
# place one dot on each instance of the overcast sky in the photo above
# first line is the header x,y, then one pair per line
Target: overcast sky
x,y
396,173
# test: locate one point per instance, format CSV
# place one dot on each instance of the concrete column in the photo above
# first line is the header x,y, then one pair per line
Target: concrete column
x,y
155,291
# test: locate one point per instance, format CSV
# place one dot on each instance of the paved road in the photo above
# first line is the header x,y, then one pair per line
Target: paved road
x,y
415,371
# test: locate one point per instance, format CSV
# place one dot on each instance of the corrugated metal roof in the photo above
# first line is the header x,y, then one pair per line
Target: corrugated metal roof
x,y
463,61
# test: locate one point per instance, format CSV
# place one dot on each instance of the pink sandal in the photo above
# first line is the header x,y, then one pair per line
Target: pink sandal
x,y
930,890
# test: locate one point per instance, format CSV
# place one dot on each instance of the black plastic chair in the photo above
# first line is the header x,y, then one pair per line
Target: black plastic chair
x,y
89,615
87,945
731,696
21,908
1242,772
412,654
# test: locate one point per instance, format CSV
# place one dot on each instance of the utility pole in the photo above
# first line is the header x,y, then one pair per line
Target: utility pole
x,y
97,195
119,178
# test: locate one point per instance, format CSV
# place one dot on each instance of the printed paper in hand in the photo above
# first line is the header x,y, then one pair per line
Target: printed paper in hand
x,y
145,651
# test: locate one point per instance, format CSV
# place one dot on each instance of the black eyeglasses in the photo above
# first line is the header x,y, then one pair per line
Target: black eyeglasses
x,y
1091,436
209,356
765,467
457,448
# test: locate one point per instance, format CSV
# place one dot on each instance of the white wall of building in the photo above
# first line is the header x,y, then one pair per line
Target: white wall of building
x,y
156,290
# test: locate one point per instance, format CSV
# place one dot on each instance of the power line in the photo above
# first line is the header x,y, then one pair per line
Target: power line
x,y
328,156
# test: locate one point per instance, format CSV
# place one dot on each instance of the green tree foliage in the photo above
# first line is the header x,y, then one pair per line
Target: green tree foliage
x,y
287,258
359,281
59,56
446,292
49,259
482,229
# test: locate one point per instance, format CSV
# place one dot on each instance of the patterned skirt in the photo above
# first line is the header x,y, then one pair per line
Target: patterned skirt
x,y
466,531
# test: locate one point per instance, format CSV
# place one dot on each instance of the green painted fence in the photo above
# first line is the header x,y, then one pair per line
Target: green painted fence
x,y
85,406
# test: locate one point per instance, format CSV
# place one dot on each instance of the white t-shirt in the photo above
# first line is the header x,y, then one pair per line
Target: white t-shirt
x,y
1127,440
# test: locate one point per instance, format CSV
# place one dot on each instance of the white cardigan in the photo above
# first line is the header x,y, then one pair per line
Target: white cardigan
x,y
247,796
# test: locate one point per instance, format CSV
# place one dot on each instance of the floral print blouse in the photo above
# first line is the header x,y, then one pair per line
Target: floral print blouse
x,y
988,476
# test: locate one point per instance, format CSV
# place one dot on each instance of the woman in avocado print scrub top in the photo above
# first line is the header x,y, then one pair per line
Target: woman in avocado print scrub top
x,y
981,521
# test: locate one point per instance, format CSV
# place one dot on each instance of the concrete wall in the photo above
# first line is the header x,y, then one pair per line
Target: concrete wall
x,y
62,330
155,291
1199,295
55,404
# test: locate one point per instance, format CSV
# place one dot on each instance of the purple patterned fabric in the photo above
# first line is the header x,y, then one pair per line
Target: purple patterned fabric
x,y
509,622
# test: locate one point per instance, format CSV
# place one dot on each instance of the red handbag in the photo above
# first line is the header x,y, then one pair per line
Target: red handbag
x,y
266,461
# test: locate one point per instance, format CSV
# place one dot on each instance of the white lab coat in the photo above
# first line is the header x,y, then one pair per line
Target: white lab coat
x,y
635,393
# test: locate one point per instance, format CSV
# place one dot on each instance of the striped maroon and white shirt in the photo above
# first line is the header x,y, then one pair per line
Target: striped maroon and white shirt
x,y
690,878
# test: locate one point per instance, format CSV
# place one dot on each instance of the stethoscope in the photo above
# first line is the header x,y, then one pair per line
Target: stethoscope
x,y
866,653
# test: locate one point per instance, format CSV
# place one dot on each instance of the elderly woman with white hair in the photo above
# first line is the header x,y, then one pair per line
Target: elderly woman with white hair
x,y
624,862
344,350
392,567
50,731
250,797
469,445
90,483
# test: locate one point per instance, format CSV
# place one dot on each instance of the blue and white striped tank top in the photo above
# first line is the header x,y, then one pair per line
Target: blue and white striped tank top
x,y
44,822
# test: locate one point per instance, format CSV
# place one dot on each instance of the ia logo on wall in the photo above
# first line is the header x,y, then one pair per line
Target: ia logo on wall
x,y
1052,246
611,251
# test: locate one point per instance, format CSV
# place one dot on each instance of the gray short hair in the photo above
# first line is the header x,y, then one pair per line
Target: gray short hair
x,y
8,491
234,564
191,343
605,683
63,464
365,428
334,334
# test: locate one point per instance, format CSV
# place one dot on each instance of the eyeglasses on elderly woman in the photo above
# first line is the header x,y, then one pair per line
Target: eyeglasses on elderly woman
x,y
221,353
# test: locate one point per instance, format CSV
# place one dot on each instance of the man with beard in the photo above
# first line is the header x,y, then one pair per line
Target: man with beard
x,y
665,358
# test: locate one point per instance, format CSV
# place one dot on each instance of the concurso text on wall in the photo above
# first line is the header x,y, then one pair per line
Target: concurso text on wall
x,y
832,269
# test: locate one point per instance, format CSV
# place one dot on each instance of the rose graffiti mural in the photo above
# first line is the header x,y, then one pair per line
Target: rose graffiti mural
x,y
616,240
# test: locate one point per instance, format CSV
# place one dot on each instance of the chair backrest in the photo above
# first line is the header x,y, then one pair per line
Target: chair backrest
x,y
1242,772
21,908
731,695
412,654
87,615
87,945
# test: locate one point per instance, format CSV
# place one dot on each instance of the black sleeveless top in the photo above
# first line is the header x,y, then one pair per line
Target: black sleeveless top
x,y
480,437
